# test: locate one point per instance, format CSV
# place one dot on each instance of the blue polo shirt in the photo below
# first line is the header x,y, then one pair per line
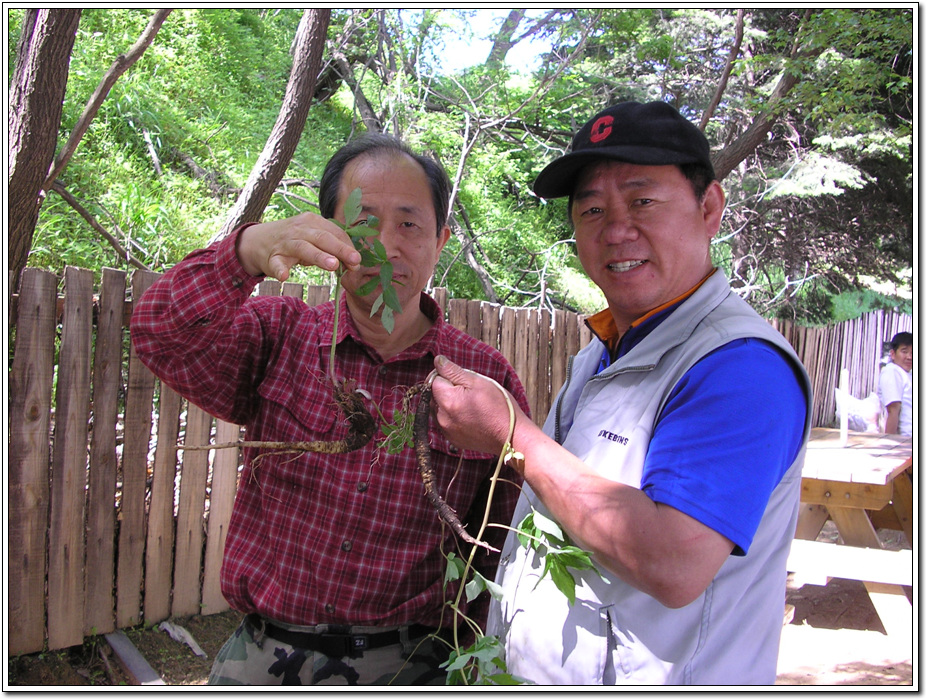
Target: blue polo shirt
x,y
736,417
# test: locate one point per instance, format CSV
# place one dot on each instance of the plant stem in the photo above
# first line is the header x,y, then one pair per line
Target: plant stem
x,y
331,358
492,488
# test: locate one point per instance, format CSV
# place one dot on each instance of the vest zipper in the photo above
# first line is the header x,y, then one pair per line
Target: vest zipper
x,y
563,391
566,384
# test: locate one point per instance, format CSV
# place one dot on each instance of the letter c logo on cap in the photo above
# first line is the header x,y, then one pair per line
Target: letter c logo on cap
x,y
601,129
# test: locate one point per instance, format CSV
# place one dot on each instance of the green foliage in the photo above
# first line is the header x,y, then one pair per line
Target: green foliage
x,y
539,532
483,662
851,304
207,91
818,175
365,237
480,664
827,197
398,435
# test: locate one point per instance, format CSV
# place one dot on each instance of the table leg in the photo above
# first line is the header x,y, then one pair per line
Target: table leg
x,y
903,503
889,600
811,519
854,527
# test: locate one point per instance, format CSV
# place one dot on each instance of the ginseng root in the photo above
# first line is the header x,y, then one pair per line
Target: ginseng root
x,y
423,455
361,428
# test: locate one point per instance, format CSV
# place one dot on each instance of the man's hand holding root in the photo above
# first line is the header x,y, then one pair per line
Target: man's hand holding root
x,y
474,412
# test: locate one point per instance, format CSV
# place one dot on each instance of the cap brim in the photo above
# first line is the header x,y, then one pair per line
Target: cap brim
x,y
559,177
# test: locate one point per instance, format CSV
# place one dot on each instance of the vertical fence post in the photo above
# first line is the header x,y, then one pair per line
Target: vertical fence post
x,y
159,540
188,556
101,516
139,395
30,411
69,465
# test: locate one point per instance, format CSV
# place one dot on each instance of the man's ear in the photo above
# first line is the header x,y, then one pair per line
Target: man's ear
x,y
713,207
443,236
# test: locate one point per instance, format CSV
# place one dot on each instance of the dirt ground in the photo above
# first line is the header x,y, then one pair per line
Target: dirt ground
x,y
835,638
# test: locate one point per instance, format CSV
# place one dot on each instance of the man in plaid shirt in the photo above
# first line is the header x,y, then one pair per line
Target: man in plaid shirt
x,y
336,560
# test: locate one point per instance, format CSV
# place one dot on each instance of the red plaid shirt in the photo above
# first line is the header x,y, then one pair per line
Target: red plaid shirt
x,y
339,539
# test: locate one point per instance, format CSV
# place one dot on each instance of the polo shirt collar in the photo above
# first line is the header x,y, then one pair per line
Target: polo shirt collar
x,y
603,326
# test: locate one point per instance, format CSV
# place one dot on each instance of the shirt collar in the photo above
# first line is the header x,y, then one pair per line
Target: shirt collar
x,y
428,342
603,326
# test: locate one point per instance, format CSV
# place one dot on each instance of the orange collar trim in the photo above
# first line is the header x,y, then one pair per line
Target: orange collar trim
x,y
603,325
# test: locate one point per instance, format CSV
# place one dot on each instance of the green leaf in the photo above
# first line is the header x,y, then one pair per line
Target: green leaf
x,y
455,568
386,318
506,679
476,586
362,231
352,206
368,259
386,274
526,530
456,661
563,580
495,590
573,557
379,250
390,298
367,287
548,526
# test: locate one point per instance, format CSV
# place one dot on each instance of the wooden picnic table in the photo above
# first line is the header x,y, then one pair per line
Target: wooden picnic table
x,y
863,484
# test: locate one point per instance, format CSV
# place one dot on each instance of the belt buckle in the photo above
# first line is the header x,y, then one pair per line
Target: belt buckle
x,y
340,645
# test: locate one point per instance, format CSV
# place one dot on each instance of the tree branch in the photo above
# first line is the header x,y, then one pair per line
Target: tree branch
x,y
58,186
274,160
746,143
503,41
120,66
726,74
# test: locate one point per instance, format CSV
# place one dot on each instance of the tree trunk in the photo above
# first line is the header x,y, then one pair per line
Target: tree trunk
x,y
753,136
745,144
503,41
278,151
726,74
36,99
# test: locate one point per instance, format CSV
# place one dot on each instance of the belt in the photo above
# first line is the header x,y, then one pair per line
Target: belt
x,y
338,642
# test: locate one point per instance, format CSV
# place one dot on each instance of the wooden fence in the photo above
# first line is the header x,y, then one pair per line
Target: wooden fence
x,y
110,526
855,345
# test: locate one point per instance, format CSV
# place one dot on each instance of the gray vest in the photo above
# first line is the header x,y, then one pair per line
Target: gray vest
x,y
615,633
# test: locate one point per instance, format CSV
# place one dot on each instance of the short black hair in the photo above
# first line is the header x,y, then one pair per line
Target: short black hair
x,y
903,338
699,177
369,144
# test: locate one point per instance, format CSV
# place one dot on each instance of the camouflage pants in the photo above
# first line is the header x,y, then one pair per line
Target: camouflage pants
x,y
250,659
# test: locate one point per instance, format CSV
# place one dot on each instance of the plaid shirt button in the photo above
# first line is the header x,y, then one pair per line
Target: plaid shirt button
x,y
362,486
329,608
346,545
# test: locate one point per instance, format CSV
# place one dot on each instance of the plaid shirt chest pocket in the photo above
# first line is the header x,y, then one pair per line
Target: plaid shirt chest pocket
x,y
292,413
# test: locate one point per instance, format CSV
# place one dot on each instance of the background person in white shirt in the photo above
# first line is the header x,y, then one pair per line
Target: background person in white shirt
x,y
895,385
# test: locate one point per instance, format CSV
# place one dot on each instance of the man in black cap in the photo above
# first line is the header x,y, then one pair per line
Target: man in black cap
x,y
674,450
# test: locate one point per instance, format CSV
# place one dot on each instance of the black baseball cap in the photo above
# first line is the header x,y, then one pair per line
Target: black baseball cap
x,y
653,133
